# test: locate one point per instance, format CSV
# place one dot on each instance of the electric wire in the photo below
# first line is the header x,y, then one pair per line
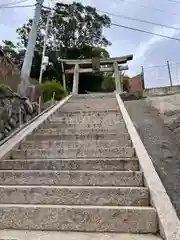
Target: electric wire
x,y
138,20
144,31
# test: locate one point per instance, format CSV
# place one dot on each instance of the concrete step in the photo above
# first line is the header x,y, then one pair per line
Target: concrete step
x,y
64,195
74,144
72,164
82,109
79,218
78,130
86,114
92,106
73,100
73,153
90,103
85,126
110,100
89,111
93,96
71,178
91,136
106,119
57,235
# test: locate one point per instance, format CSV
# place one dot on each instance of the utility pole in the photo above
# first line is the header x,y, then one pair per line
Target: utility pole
x,y
26,68
63,75
169,71
43,55
44,50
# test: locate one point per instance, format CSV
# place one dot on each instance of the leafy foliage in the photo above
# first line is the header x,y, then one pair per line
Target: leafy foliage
x,y
52,87
109,85
72,26
76,31
5,90
12,51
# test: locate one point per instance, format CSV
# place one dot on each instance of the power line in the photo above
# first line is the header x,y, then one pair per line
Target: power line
x,y
152,67
13,3
131,28
144,31
174,1
149,7
135,19
138,20
5,4
21,6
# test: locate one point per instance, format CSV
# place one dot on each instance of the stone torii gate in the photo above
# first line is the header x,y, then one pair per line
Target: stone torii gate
x,y
97,65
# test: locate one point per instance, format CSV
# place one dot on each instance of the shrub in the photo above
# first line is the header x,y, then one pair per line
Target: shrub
x,y
108,84
139,94
5,90
50,87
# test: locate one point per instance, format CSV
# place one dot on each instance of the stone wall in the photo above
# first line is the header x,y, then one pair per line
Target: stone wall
x,y
14,110
169,110
150,92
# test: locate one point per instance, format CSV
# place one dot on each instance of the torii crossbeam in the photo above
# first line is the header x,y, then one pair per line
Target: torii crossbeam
x,y
97,65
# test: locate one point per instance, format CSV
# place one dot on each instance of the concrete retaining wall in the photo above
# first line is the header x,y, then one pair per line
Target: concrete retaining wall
x,y
149,92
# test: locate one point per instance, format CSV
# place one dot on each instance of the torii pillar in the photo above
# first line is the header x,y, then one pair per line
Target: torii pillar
x,y
117,78
76,80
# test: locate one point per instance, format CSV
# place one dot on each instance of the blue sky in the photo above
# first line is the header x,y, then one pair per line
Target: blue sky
x,y
148,50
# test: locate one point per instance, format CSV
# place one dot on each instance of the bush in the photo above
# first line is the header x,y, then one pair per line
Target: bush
x,y
139,94
50,87
108,84
5,91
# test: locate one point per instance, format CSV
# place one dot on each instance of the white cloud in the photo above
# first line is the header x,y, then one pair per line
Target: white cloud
x,y
142,50
144,47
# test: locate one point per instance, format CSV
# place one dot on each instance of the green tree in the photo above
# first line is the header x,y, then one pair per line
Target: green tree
x,y
13,52
125,82
72,26
76,31
52,87
108,84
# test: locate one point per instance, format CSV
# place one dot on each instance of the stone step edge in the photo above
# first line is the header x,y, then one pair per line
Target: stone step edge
x,y
54,130
86,135
83,126
78,136
78,127
91,111
65,120
63,147
74,141
71,187
90,145
66,171
74,159
72,235
73,149
78,206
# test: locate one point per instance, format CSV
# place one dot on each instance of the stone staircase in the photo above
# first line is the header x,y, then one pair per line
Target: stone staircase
x,y
78,172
